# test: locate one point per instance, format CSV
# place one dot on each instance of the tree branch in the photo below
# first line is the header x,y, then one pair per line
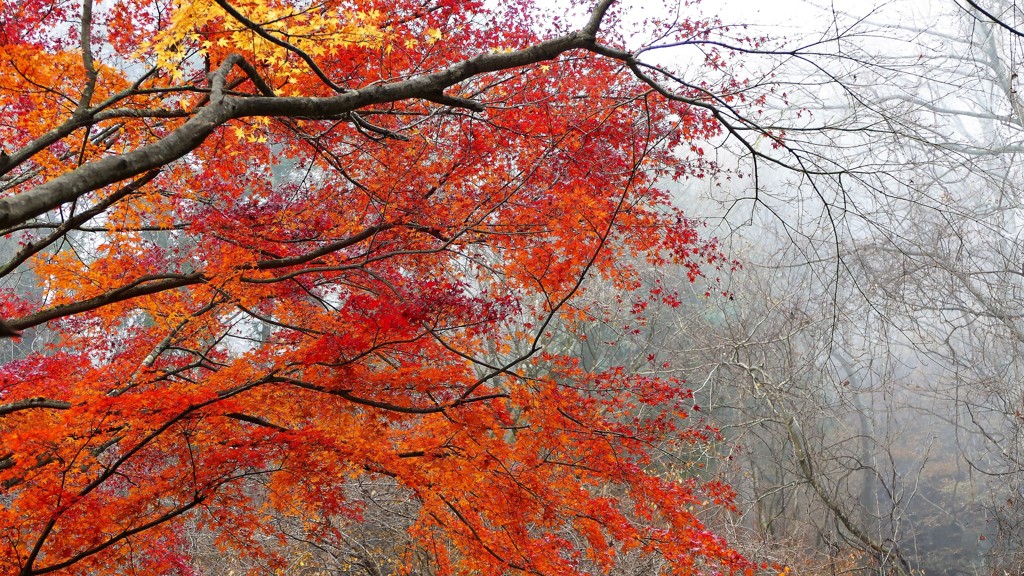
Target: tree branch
x,y
19,208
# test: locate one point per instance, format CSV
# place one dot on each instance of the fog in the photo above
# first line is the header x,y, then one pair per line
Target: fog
x,y
867,371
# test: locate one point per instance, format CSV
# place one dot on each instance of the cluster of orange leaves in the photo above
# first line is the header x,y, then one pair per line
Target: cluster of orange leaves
x,y
355,301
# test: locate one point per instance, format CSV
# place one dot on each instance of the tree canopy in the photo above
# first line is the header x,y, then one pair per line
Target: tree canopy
x,y
257,250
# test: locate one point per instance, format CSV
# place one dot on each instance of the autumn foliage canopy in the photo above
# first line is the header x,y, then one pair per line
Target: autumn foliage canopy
x,y
260,249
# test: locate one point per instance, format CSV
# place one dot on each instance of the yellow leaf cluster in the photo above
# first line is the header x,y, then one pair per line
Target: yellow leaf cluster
x,y
202,26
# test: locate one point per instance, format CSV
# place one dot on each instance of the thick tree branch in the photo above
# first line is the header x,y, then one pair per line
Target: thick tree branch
x,y
994,19
255,420
19,208
74,222
347,395
33,403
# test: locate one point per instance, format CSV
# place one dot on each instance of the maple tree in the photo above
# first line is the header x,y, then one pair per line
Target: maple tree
x,y
283,244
